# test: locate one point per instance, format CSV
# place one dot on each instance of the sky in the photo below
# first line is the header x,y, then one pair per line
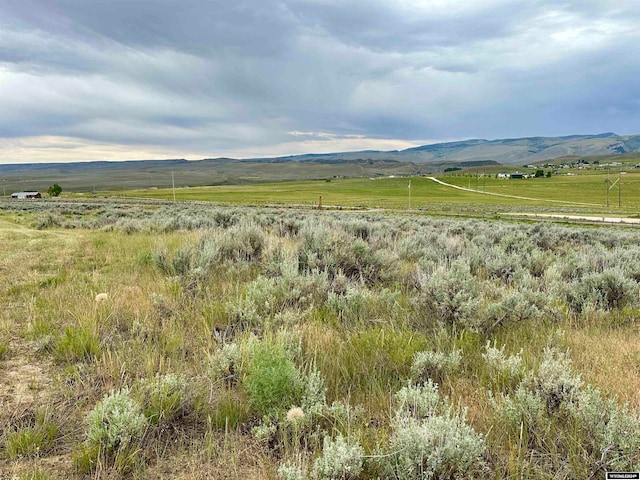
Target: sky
x,y
88,80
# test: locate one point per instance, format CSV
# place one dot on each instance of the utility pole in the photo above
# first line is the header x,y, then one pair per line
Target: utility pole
x,y
409,194
476,179
607,182
619,184
614,184
173,184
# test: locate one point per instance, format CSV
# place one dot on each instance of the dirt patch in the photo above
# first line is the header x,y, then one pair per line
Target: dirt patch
x,y
23,380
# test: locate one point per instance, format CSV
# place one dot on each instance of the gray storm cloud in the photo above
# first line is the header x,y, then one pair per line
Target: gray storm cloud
x,y
206,78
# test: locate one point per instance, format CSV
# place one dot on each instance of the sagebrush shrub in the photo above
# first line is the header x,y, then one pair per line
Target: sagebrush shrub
x,y
226,362
436,447
340,460
555,383
610,432
163,397
435,365
115,422
451,295
314,393
606,291
521,409
508,368
418,401
516,306
244,242
292,471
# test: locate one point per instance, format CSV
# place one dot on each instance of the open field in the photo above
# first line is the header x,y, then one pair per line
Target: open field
x,y
193,341
583,187
393,193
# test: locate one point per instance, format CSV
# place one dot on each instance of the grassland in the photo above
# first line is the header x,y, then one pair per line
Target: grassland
x,y
581,187
393,193
146,340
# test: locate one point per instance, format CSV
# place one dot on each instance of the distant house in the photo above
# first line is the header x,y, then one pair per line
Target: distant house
x,y
517,175
503,175
23,195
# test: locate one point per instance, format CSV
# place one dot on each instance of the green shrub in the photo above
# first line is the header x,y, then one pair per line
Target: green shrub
x,y
272,381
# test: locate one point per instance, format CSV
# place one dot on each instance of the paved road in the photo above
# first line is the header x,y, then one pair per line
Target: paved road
x,y
586,218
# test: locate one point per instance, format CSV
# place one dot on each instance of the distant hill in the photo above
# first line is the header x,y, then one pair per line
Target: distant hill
x,y
127,175
427,159
512,151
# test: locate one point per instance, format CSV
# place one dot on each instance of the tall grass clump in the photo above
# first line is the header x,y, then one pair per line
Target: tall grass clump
x,y
77,344
33,440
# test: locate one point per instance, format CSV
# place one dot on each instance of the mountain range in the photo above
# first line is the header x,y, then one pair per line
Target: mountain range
x,y
512,151
426,159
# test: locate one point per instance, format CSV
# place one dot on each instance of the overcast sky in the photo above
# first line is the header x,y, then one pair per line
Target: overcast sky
x,y
135,79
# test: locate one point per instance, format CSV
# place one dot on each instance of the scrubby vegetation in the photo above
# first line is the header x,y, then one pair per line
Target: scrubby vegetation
x,y
199,342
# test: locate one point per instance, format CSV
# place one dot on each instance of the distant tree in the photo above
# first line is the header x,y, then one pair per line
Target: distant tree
x,y
539,173
54,190
549,174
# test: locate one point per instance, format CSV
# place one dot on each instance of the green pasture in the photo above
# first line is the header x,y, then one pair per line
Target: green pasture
x,y
393,193
361,192
580,188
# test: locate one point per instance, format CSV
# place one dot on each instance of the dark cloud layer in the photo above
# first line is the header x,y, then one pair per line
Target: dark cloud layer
x,y
202,77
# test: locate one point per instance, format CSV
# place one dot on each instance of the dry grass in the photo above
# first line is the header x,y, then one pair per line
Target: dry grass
x,y
64,349
609,359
